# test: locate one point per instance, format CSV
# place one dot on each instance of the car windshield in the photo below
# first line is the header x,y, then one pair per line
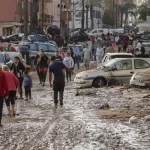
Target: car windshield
x,y
1,58
121,56
111,63
36,38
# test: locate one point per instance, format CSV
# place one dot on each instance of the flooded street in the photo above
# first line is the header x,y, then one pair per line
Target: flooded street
x,y
79,124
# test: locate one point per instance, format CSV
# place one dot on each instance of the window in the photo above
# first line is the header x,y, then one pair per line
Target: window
x,y
141,64
124,65
33,47
52,48
100,31
95,31
44,47
105,59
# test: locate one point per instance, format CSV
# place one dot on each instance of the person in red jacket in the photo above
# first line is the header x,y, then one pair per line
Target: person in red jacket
x,y
13,85
3,92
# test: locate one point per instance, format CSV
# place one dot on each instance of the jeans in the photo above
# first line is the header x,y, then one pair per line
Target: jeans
x,y
27,91
77,61
43,76
1,107
68,74
58,87
21,82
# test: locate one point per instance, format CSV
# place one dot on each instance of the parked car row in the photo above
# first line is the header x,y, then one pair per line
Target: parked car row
x,y
115,71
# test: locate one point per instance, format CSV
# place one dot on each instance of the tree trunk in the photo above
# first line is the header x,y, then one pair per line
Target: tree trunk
x,y
33,12
87,16
91,16
126,16
121,19
82,21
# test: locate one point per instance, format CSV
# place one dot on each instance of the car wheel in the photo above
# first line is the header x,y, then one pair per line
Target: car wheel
x,y
98,82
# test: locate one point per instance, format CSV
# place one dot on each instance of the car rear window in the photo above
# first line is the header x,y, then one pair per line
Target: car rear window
x,y
121,56
1,58
44,47
52,48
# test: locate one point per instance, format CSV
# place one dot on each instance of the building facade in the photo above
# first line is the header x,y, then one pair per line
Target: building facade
x,y
97,14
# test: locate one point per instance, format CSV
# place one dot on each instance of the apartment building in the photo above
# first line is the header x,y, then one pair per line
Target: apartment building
x,y
11,17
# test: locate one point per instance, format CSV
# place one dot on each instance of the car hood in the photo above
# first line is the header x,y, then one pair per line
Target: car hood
x,y
91,73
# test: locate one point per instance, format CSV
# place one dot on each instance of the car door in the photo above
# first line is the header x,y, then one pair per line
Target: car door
x,y
123,71
140,65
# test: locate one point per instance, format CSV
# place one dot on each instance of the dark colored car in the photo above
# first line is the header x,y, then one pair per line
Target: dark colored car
x,y
80,36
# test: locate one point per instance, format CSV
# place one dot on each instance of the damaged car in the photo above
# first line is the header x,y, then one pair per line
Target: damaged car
x,y
141,79
119,69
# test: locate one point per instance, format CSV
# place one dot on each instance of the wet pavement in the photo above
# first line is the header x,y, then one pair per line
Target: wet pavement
x,y
79,124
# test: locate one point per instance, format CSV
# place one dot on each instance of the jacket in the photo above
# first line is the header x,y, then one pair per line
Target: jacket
x,y
3,85
18,70
12,81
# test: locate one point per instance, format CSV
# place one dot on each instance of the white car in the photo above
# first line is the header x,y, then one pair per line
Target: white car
x,y
141,79
110,56
119,70
98,32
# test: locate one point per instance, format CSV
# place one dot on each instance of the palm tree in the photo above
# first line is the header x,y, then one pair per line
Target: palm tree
x,y
34,11
92,4
87,15
128,6
83,9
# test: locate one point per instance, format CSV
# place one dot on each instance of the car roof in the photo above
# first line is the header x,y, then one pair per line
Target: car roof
x,y
134,58
113,54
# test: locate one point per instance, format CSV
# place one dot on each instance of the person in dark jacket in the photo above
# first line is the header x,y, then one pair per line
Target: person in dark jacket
x,y
36,64
18,69
4,91
142,50
56,68
43,65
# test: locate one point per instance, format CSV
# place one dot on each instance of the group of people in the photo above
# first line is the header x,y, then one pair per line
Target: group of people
x,y
12,79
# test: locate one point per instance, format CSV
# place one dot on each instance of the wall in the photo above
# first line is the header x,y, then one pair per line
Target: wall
x,y
7,10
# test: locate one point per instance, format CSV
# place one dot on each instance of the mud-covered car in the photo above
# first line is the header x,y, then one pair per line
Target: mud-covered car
x,y
141,79
119,70
110,56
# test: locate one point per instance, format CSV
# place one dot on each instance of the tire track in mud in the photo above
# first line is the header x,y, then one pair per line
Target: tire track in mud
x,y
50,125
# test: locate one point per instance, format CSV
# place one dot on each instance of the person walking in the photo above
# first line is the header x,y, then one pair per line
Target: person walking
x,y
36,64
76,52
4,91
56,68
43,65
109,49
68,61
13,85
18,69
87,54
27,85
99,54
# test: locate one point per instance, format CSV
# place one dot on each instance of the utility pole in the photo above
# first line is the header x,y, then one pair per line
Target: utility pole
x,y
42,16
60,17
25,19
